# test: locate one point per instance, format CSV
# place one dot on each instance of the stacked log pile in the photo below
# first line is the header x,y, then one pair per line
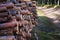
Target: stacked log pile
x,y
18,19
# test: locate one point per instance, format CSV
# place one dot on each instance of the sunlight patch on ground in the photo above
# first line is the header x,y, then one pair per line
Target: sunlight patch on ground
x,y
40,13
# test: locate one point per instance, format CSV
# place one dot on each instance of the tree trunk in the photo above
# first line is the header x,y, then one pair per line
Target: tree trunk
x,y
58,2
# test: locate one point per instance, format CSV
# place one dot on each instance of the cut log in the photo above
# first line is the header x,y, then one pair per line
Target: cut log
x,y
18,5
3,9
8,25
24,12
2,5
10,6
12,12
3,19
28,35
5,14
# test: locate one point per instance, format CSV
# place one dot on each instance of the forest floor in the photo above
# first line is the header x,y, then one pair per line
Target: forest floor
x,y
48,23
50,13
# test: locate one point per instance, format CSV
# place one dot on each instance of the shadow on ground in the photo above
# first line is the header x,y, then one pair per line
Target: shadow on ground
x,y
46,29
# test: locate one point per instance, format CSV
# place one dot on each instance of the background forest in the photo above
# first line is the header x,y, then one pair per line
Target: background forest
x,y
51,2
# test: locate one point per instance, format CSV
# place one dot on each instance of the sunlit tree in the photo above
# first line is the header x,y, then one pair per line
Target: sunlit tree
x,y
58,2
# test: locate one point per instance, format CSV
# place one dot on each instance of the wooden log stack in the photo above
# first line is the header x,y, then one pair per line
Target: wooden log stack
x,y
20,18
